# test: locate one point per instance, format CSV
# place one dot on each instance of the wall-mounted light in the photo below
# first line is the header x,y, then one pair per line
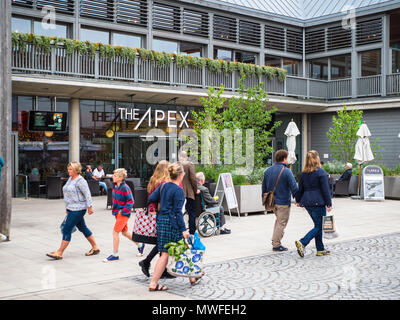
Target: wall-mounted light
x,y
48,134
109,133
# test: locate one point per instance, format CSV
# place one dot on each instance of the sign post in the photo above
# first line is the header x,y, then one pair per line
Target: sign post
x,y
373,183
225,188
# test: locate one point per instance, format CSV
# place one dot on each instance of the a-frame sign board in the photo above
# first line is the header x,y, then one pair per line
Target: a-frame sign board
x,y
226,189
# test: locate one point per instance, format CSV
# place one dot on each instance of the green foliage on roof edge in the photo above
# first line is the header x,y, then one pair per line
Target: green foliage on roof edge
x,y
161,59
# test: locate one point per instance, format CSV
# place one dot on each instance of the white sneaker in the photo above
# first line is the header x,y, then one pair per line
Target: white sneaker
x,y
2,237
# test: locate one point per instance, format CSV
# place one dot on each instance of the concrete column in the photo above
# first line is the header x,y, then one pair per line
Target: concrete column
x,y
149,37
74,130
304,137
210,46
262,52
385,53
5,117
354,64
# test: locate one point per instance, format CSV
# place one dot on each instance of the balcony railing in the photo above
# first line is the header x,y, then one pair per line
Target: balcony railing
x,y
56,62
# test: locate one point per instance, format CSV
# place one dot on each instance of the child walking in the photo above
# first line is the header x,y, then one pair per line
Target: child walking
x,y
122,207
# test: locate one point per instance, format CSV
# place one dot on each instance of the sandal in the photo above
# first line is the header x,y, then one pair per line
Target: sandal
x,y
196,279
159,288
54,255
92,252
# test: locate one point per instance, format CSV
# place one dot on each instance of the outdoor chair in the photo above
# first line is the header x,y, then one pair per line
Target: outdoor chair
x,y
94,187
353,185
130,185
135,182
140,197
54,188
341,188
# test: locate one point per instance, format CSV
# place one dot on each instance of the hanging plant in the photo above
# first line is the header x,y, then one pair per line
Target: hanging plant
x,y
281,74
15,40
81,47
146,54
214,65
259,71
23,41
91,48
162,59
182,61
127,53
107,51
197,62
269,72
246,69
69,46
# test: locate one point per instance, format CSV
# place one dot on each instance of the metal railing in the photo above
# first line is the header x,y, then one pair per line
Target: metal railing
x,y
57,62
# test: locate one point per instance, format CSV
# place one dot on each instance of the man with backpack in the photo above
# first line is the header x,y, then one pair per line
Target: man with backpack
x,y
279,180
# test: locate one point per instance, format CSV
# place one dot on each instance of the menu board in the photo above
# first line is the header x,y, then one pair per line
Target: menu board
x,y
373,183
225,188
47,121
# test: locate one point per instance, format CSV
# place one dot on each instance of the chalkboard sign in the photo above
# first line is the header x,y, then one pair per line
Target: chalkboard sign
x,y
47,121
373,183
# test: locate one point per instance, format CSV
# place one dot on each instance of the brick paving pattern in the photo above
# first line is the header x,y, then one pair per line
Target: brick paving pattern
x,y
367,268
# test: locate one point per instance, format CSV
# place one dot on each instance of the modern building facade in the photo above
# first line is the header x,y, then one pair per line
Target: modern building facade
x,y
333,54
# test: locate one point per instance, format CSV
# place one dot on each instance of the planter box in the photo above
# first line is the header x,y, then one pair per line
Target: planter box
x,y
392,187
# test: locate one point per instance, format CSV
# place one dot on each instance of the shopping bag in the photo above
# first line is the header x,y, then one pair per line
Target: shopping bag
x,y
63,224
329,227
188,263
145,223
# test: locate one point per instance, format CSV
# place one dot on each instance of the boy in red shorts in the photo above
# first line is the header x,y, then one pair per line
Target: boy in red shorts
x,y
122,207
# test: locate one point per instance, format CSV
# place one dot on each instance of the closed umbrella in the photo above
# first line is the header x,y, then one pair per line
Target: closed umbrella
x,y
291,132
363,152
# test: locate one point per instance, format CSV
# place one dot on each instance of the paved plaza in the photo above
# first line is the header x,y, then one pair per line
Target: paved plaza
x,y
364,264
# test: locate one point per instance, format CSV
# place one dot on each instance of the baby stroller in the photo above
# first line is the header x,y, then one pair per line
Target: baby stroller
x,y
208,220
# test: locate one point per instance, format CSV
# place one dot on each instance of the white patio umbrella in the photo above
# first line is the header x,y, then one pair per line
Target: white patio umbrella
x,y
363,152
291,132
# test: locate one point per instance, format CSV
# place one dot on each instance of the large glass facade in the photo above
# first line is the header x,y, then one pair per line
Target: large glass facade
x,y
94,35
223,54
319,69
341,66
273,61
21,25
126,40
395,61
370,63
40,154
165,46
191,49
292,67
245,57
50,30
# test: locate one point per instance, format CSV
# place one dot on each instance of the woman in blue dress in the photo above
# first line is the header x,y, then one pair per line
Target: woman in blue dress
x,y
170,224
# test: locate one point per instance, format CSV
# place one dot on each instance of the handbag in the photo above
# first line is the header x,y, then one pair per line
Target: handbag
x,y
189,264
269,197
63,224
145,223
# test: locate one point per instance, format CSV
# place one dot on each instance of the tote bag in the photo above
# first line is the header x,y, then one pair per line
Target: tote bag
x,y
145,223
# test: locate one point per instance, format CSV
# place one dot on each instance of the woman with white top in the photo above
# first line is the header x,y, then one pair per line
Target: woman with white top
x,y
77,200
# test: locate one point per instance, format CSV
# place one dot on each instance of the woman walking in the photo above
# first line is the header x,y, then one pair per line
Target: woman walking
x,y
170,224
160,176
314,194
77,200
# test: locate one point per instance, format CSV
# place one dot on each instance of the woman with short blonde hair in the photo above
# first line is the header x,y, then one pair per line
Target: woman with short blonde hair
x,y
77,200
314,194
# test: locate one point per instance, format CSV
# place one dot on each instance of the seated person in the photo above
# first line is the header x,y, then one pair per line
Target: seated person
x,y
346,175
210,202
90,176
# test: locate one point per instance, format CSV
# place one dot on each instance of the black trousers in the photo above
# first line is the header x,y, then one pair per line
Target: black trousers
x,y
191,210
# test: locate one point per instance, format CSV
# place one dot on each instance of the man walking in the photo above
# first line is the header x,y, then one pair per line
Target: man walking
x,y
189,184
285,187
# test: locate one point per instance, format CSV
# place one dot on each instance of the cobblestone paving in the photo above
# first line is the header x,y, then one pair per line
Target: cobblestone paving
x,y
367,268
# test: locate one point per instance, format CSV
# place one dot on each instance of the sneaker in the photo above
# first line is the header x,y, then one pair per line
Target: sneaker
x,y
145,268
224,231
323,253
111,258
140,250
300,248
280,249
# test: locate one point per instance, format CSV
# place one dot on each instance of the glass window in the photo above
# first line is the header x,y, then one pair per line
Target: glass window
x,y
43,104
95,36
395,30
273,61
126,40
245,57
292,67
319,69
370,63
21,25
395,61
50,30
165,46
341,66
191,49
223,54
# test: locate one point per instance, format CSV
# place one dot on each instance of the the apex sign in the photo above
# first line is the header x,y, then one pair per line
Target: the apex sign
x,y
158,115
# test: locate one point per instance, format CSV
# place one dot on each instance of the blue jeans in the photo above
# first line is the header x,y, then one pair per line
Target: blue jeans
x,y
75,218
103,184
316,214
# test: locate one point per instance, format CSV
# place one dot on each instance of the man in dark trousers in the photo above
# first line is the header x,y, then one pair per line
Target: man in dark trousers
x,y
189,184
285,188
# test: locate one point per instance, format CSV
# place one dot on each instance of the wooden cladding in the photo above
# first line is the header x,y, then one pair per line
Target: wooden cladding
x,y
24,3
369,31
294,41
100,9
225,28
338,38
166,17
249,33
274,38
315,41
132,12
195,23
63,6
